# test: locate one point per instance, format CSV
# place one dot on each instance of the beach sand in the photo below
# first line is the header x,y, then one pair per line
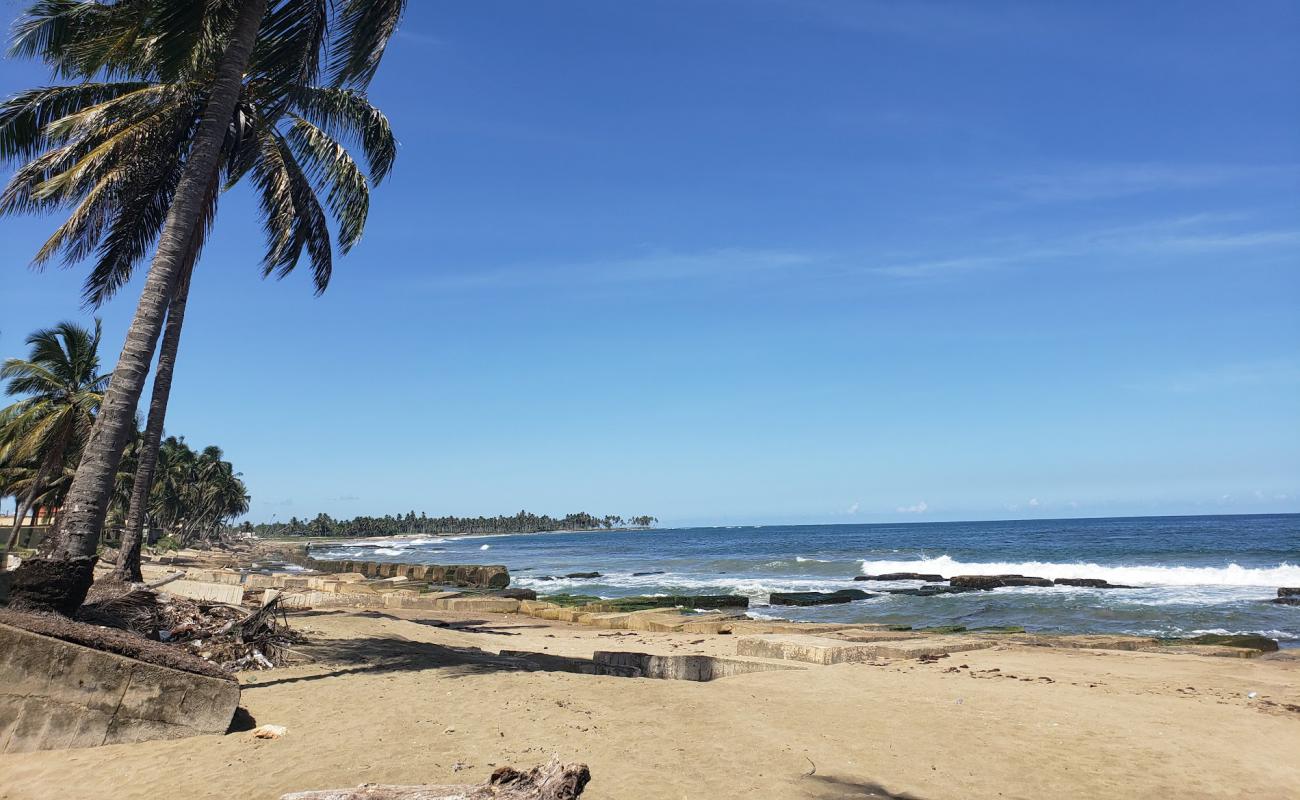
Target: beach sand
x,y
395,698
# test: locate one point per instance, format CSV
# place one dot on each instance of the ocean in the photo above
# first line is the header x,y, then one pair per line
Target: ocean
x,y
1194,575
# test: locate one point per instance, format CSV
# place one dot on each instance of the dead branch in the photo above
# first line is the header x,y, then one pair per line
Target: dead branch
x,y
553,781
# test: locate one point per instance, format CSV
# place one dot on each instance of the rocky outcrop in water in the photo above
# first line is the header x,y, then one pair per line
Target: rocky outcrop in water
x,y
901,576
1091,583
818,598
932,590
1288,596
987,582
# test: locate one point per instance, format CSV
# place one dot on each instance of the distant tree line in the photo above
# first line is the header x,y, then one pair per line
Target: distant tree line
x,y
412,523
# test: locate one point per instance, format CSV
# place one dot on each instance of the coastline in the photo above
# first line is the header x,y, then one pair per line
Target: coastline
x,y
408,697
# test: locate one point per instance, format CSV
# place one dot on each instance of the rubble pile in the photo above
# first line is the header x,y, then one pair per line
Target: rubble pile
x,y
229,636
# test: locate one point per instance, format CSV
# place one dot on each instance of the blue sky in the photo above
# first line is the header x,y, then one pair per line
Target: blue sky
x,y
765,260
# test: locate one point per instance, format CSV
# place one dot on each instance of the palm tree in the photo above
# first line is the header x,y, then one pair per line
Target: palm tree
x,y
61,390
195,491
195,105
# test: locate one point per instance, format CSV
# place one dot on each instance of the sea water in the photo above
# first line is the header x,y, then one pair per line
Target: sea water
x,y
1194,574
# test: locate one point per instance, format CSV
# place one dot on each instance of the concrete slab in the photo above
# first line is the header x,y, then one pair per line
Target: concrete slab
x,y
1084,641
56,694
479,605
824,650
230,594
685,667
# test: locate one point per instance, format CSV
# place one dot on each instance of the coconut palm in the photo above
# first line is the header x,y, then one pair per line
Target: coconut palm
x,y
60,390
195,492
194,109
304,152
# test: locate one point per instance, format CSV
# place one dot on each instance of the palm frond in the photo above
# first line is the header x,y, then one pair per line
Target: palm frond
x,y
361,34
24,117
328,164
291,214
347,115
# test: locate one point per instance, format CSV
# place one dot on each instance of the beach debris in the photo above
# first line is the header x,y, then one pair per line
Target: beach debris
x,y
269,731
552,781
1252,695
229,636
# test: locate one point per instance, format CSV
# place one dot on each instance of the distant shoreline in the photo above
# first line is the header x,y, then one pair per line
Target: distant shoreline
x,y
390,536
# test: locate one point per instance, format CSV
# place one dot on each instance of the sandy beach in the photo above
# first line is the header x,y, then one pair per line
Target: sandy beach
x,y
400,697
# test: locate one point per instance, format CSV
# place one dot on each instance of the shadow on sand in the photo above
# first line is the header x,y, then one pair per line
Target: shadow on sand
x,y
830,787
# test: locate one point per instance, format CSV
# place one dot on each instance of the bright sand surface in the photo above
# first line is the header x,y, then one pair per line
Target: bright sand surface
x,y
394,699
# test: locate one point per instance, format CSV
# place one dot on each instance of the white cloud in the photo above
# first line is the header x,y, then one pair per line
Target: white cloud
x,y
919,508
853,509
1033,502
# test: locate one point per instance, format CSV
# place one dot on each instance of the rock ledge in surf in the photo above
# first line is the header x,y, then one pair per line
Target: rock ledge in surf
x,y
987,582
902,576
818,598
1091,583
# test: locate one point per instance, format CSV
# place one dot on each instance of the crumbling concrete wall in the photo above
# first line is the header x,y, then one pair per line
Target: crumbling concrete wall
x,y
55,694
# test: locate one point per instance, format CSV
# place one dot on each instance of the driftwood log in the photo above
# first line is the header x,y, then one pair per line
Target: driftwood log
x,y
554,781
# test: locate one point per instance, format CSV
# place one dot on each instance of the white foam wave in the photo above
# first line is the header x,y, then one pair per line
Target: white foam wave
x,y
1284,574
388,551
391,542
756,588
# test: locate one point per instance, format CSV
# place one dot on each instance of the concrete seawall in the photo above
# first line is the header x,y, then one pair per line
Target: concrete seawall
x,y
474,576
57,694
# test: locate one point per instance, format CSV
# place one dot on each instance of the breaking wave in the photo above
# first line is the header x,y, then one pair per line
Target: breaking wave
x,y
1284,574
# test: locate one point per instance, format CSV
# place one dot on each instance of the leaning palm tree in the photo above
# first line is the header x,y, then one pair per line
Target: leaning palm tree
x,y
223,54
294,154
60,389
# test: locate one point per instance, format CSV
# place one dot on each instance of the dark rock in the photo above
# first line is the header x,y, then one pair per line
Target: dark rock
x,y
1289,591
987,582
518,594
901,576
639,574
1091,583
1246,641
583,575
931,590
1285,601
818,598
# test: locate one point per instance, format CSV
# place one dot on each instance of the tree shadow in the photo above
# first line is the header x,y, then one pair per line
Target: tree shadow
x,y
378,655
463,626
830,787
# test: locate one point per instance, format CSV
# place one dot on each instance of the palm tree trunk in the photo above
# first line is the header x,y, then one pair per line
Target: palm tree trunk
x,y
50,466
62,585
19,512
128,556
